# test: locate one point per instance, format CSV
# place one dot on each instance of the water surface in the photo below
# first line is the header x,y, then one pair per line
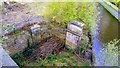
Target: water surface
x,y
107,30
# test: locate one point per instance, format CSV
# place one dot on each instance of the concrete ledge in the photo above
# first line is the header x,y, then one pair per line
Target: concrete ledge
x,y
5,59
110,9
112,6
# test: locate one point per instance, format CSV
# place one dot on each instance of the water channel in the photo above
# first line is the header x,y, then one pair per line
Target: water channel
x,y
106,31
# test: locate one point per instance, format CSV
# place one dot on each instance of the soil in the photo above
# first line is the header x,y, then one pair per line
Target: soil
x,y
20,12
15,14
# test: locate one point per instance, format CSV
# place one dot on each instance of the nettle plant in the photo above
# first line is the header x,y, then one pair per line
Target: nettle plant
x,y
62,13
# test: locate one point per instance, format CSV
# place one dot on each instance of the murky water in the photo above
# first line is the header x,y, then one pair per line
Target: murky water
x,y
109,27
107,30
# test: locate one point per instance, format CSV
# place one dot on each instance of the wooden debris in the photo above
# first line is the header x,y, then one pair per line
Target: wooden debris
x,y
52,45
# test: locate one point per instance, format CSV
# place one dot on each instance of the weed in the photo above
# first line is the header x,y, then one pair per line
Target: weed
x,y
83,46
30,49
52,56
66,56
71,51
53,63
18,58
63,60
75,61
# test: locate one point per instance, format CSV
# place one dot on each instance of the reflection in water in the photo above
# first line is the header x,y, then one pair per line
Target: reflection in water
x,y
109,27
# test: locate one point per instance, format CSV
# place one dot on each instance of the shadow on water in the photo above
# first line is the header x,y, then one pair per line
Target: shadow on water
x,y
106,31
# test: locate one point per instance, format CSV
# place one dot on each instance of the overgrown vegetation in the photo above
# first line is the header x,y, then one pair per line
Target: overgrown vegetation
x,y
18,58
84,45
62,12
111,53
67,59
21,57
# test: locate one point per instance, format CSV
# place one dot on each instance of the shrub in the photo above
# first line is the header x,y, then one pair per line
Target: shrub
x,y
111,53
62,12
84,44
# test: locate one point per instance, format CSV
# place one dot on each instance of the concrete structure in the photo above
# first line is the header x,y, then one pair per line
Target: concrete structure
x,y
110,9
74,33
5,59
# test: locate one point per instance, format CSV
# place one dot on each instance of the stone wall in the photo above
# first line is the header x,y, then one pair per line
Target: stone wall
x,y
21,34
21,40
17,42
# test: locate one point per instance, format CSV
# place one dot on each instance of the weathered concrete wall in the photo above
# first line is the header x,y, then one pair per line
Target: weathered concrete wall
x,y
5,59
39,32
74,35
